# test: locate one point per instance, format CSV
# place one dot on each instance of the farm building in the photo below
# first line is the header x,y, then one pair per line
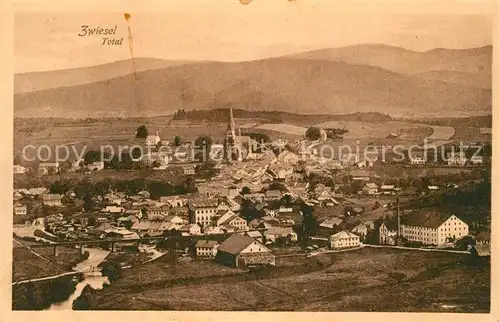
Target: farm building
x,y
241,251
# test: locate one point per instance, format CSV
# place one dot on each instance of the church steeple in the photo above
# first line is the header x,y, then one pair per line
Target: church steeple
x,y
230,124
231,141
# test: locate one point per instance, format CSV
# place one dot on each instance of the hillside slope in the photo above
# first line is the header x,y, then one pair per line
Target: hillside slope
x,y
297,86
37,81
474,60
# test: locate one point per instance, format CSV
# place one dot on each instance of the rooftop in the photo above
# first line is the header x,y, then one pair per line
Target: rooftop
x,y
206,243
424,219
235,244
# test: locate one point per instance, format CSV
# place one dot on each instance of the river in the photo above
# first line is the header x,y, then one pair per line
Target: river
x,y
92,277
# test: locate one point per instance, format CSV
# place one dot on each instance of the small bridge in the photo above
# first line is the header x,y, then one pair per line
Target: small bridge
x,y
111,242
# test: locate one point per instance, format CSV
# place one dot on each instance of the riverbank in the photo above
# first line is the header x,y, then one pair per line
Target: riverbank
x,y
41,293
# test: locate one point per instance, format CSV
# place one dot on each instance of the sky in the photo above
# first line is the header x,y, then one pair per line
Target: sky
x,y
229,31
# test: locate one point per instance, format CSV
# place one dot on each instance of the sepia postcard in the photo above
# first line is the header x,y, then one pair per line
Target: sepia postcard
x,y
316,157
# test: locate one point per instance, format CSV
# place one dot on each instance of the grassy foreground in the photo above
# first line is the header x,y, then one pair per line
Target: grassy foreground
x,y
361,280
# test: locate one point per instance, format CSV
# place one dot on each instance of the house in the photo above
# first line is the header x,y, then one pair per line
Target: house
x,y
213,230
96,166
387,189
273,195
190,229
188,170
483,238
273,233
364,164
331,222
19,169
230,219
113,209
361,230
432,228
360,175
174,219
182,212
20,209
344,239
280,171
417,157
242,251
127,220
17,195
456,158
206,248
287,157
476,159
141,227
114,199
153,140
77,164
173,201
226,203
387,233
53,200
370,188
348,159
158,211
37,191
48,167
255,234
120,233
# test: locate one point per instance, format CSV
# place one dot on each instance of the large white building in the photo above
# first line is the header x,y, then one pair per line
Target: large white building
x,y
344,239
432,228
202,211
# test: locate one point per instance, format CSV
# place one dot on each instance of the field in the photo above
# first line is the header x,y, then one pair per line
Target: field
x,y
361,280
442,132
26,265
361,130
82,135
285,128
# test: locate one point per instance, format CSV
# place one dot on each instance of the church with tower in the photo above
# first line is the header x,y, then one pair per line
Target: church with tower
x,y
232,145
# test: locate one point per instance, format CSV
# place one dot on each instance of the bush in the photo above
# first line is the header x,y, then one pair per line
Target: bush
x,y
142,132
112,270
313,133
86,300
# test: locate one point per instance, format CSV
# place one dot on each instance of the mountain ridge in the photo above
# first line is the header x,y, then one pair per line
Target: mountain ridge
x,y
295,85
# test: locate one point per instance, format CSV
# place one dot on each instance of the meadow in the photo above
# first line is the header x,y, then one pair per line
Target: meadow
x,y
410,281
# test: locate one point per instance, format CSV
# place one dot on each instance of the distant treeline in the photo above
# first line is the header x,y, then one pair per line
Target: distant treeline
x,y
222,114
472,121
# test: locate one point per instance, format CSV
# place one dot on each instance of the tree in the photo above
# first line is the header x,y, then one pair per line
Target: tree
x,y
245,191
313,133
286,200
86,300
141,132
136,153
112,270
205,143
190,185
92,156
248,210
177,140
275,185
